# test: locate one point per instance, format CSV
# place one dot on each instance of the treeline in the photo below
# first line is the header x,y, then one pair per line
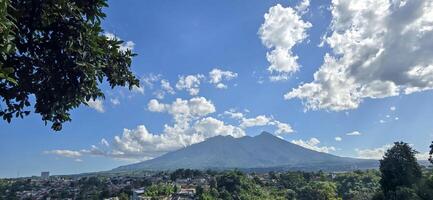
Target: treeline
x,y
399,177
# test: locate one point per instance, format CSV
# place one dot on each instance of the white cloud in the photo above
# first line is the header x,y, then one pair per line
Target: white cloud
x,y
354,133
338,139
150,79
165,89
375,153
65,153
234,114
282,128
165,85
369,59
313,144
210,127
115,101
302,7
190,83
184,110
155,106
282,29
104,142
260,120
216,77
96,104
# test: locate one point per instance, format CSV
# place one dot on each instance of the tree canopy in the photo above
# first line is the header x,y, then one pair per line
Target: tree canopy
x,y
399,169
54,56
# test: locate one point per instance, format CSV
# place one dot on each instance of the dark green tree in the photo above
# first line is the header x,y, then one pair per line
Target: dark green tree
x,y
399,169
56,53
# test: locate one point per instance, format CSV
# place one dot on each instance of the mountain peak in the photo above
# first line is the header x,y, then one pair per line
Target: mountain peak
x,y
265,134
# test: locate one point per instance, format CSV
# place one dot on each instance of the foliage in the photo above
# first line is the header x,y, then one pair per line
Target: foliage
x,y
399,168
235,185
123,196
6,38
358,185
319,190
185,173
61,57
159,190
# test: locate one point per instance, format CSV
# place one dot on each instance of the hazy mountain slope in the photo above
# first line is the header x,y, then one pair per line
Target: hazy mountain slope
x,y
262,151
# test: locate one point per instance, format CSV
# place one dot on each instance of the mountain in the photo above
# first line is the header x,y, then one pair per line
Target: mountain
x,y
262,152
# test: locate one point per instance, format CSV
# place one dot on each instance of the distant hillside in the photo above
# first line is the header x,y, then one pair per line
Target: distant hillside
x,y
262,152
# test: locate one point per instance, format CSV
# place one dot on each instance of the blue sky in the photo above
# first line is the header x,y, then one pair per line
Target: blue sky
x,y
362,86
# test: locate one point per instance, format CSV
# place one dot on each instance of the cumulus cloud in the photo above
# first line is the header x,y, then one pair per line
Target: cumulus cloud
x,y
260,120
96,104
338,139
155,106
216,77
184,110
210,127
313,144
190,83
354,133
232,113
368,59
374,153
282,29
282,128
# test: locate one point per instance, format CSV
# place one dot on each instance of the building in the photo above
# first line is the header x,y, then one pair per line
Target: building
x,y
136,193
45,175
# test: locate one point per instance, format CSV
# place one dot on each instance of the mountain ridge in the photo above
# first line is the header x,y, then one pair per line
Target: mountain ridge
x,y
259,152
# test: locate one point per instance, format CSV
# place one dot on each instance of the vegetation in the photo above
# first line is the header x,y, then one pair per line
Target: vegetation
x,y
55,52
160,189
185,173
399,178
